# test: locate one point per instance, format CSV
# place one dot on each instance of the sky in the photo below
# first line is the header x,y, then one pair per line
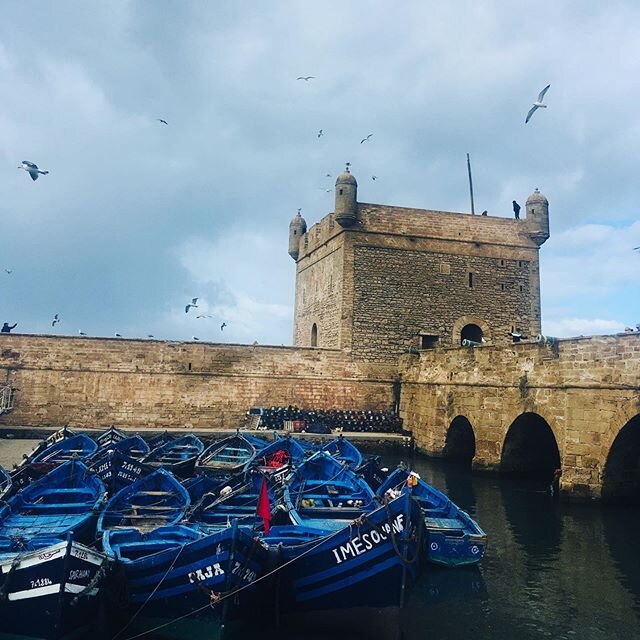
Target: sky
x,y
136,217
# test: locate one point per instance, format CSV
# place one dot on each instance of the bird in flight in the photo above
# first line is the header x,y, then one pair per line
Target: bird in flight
x,y
634,248
320,133
195,338
204,315
366,139
193,304
306,78
328,175
163,121
32,169
9,271
150,335
538,103
374,177
81,332
117,335
56,319
222,326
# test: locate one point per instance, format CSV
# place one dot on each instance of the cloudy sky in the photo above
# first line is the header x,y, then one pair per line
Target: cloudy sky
x,y
135,217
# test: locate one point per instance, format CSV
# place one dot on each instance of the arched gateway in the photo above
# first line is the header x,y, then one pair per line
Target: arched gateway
x,y
460,445
530,448
621,477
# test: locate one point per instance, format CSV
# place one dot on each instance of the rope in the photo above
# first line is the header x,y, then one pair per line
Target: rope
x,y
144,604
92,583
5,586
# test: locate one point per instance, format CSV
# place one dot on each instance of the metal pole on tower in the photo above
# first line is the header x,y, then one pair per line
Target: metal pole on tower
x,y
473,212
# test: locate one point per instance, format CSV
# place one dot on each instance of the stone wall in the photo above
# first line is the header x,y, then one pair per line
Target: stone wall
x,y
586,389
143,383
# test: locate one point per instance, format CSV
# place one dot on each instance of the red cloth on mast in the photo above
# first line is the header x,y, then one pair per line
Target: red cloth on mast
x,y
264,508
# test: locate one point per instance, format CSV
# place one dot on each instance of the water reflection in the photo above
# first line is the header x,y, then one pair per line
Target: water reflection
x,y
552,570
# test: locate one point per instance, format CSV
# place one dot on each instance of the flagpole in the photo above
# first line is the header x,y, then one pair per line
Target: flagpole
x,y
473,212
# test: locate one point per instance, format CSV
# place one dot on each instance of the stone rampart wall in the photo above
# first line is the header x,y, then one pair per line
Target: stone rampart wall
x,y
586,389
137,383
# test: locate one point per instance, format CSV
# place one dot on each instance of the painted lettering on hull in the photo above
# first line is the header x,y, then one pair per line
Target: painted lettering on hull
x,y
367,541
206,573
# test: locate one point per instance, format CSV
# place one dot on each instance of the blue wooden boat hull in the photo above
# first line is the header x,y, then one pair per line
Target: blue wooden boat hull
x,y
152,501
190,573
52,592
455,539
178,456
65,500
277,457
133,446
6,483
368,563
228,456
110,437
118,470
79,447
344,451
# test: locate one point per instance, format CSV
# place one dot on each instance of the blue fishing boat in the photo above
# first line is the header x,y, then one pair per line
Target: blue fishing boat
x,y
178,456
117,469
63,501
322,493
55,437
6,483
277,457
344,451
133,446
176,570
373,472
159,440
109,437
227,456
78,447
217,509
371,561
455,539
152,501
51,592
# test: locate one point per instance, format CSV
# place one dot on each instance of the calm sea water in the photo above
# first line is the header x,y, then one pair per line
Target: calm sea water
x,y
552,570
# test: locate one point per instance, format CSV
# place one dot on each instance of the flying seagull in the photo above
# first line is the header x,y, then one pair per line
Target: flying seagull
x,y
195,338
634,248
150,335
537,104
56,319
163,121
306,78
32,169
81,332
10,271
320,133
193,304
365,139
374,177
117,335
204,315
222,326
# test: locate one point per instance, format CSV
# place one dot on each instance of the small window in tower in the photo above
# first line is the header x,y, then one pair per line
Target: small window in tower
x,y
533,211
445,268
502,263
520,263
428,341
340,192
189,366
314,335
502,286
521,288
470,279
295,233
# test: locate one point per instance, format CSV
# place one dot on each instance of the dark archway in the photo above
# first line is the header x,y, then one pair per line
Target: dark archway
x,y
460,445
621,477
314,335
530,449
471,332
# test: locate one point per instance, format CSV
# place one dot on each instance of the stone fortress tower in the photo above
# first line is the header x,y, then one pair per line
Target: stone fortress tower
x,y
377,279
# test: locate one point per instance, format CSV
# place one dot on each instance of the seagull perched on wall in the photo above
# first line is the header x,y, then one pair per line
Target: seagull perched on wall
x,y
306,78
628,330
163,121
193,304
56,319
366,139
32,169
222,326
538,103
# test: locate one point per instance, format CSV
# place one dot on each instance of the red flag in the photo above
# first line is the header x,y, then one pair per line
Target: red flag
x,y
264,509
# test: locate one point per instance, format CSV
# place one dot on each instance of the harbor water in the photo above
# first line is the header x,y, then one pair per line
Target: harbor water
x,y
552,570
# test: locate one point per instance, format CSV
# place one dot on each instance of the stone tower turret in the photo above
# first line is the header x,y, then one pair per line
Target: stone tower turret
x,y
537,207
297,228
346,199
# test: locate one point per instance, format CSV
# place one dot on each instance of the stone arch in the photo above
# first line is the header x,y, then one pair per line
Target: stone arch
x,y
460,443
462,322
621,474
314,335
530,448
